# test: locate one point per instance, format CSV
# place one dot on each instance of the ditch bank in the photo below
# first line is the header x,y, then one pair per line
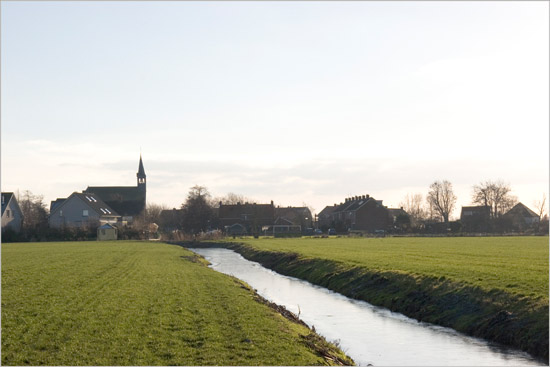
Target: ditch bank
x,y
329,351
518,322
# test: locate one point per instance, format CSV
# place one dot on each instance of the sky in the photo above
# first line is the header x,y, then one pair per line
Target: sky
x,y
296,102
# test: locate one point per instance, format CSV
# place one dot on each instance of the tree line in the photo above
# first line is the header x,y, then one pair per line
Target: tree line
x,y
441,200
197,213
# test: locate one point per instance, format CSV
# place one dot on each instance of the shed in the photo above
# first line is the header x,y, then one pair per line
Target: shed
x,y
107,232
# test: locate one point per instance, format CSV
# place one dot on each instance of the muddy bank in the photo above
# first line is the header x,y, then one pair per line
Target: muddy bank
x,y
517,322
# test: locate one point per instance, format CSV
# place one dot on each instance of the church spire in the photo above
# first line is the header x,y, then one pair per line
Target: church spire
x,y
141,173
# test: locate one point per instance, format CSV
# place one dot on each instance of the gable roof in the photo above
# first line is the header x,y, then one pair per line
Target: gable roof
x,y
91,200
236,210
521,210
54,204
293,213
397,212
327,211
6,197
107,226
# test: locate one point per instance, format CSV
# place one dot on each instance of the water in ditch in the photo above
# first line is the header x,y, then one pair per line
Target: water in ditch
x,y
368,334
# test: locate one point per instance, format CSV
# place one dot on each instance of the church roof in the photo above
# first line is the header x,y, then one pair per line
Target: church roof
x,y
126,200
141,170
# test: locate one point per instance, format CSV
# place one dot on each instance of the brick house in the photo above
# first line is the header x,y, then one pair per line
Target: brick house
x,y
251,217
358,213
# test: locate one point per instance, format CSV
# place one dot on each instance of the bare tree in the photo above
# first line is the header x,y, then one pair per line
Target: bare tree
x,y
149,216
35,214
442,198
540,206
413,204
496,195
231,199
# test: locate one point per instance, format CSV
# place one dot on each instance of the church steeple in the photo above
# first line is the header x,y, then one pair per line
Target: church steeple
x,y
141,177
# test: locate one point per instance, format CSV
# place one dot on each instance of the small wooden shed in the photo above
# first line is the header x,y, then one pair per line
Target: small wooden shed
x,y
107,232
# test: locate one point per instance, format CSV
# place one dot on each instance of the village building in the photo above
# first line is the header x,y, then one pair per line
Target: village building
x,y
128,201
475,218
521,217
246,218
360,214
12,216
83,210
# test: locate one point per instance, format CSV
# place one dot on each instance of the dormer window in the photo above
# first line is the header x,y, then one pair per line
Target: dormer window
x,y
85,213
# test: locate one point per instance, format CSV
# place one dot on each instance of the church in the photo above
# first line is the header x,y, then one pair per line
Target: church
x,y
127,201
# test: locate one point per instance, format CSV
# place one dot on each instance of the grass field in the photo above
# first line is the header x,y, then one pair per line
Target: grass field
x,y
135,303
518,265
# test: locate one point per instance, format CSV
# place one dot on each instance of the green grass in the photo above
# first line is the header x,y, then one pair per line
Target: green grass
x,y
517,265
135,303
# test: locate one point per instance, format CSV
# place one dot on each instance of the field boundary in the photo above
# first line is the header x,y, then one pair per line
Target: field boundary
x,y
519,322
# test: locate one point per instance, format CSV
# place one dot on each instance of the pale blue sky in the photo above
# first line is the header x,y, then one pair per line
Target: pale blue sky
x,y
292,101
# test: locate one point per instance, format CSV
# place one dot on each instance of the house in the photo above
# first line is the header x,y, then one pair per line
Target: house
x,y
12,216
324,218
475,218
399,218
251,217
359,213
128,201
521,217
107,232
82,210
294,216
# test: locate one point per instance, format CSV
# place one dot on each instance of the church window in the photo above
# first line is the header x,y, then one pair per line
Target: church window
x,y
7,213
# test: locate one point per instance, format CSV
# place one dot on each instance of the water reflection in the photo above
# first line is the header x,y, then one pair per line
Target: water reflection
x,y
369,334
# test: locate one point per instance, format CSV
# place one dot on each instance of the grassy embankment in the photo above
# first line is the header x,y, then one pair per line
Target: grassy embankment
x,y
493,287
138,303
